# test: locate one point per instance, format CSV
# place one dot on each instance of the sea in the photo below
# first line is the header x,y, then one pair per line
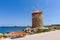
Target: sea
x,y
6,29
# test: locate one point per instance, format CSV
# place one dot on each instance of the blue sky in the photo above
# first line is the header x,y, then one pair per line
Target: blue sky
x,y
19,12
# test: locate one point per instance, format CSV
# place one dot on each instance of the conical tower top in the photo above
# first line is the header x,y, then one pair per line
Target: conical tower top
x,y
36,11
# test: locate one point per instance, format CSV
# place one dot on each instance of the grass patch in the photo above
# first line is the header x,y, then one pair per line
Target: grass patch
x,y
46,30
40,31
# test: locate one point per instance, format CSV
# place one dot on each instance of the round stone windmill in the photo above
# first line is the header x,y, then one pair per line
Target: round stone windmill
x,y
37,19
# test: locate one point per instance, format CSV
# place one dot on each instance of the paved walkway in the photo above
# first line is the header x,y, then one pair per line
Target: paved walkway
x,y
53,35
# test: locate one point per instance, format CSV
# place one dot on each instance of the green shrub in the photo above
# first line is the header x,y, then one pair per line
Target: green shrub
x,y
58,28
46,30
38,31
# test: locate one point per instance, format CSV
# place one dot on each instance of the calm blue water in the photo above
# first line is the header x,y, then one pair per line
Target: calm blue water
x,y
12,29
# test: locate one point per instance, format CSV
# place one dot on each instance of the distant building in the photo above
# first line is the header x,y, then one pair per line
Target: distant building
x,y
37,19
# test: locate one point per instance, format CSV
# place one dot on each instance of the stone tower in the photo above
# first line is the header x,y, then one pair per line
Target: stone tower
x,y
37,19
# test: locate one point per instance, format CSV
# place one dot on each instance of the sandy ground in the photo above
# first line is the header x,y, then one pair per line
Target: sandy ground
x,y
53,35
6,39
